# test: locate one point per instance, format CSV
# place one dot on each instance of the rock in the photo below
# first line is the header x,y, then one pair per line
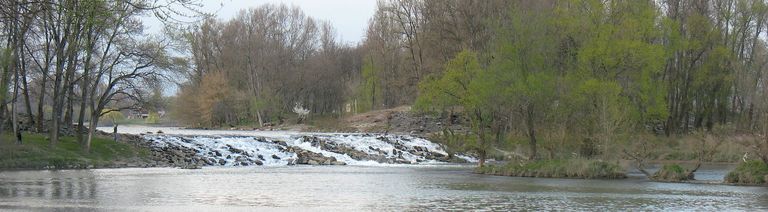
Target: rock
x,y
275,157
222,162
234,150
338,163
313,162
258,162
243,164
261,157
282,143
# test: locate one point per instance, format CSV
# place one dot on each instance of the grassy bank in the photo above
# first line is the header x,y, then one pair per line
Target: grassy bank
x,y
749,173
36,153
576,168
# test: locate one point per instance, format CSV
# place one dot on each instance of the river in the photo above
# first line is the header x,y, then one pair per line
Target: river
x,y
345,188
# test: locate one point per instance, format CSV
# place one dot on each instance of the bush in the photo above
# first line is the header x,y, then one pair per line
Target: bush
x,y
672,173
153,118
750,173
577,168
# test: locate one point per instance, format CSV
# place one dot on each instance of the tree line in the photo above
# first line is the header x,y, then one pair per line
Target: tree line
x,y
558,75
258,66
587,74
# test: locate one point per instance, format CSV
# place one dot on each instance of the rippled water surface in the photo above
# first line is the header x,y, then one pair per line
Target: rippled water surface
x,y
353,188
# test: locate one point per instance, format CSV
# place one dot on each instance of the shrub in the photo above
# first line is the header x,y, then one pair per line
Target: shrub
x,y
153,118
751,172
672,173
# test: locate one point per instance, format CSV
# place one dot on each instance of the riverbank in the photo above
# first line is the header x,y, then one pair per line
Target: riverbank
x,y
35,152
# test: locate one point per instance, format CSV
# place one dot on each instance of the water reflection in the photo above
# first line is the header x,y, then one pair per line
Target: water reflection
x,y
354,188
48,184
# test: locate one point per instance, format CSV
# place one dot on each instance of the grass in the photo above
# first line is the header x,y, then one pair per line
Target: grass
x,y
575,168
672,173
753,172
36,153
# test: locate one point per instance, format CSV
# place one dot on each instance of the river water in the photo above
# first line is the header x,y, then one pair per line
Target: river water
x,y
345,188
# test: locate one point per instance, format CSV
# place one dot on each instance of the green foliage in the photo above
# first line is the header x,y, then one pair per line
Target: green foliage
x,y
370,91
153,118
112,115
576,168
753,172
618,45
461,85
457,86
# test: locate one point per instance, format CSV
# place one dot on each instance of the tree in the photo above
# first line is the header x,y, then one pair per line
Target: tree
x,y
459,85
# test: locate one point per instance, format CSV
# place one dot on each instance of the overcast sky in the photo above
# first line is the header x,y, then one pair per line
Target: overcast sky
x,y
349,17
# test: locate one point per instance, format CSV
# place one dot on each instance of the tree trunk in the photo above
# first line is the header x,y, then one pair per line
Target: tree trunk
x,y
14,113
81,119
531,132
91,129
480,140
40,103
70,110
258,116
25,91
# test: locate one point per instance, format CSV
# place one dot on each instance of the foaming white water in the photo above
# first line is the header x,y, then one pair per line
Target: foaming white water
x,y
277,148
229,149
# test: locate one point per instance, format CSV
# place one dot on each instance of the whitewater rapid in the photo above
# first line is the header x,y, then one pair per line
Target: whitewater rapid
x,y
281,148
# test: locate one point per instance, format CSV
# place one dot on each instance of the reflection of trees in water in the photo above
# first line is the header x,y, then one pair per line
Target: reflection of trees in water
x,y
52,187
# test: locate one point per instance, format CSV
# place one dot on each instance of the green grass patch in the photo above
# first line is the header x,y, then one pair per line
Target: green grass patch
x,y
575,168
753,172
36,153
672,173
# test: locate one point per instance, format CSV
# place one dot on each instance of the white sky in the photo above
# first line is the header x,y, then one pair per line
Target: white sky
x,y
349,17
